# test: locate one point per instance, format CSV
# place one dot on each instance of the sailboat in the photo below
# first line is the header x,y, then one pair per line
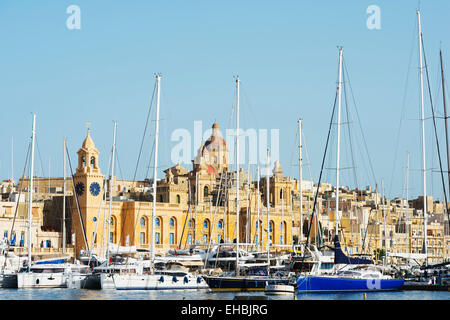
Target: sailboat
x,y
257,275
429,275
52,272
360,274
173,277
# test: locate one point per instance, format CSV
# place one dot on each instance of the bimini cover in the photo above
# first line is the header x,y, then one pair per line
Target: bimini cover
x,y
341,258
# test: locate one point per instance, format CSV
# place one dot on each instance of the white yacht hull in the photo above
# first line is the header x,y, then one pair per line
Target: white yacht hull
x,y
41,280
159,282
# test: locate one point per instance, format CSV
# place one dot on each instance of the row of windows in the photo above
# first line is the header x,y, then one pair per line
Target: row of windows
x,y
158,238
158,222
13,238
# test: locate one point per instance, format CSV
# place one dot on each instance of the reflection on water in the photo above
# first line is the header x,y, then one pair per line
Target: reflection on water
x,y
84,294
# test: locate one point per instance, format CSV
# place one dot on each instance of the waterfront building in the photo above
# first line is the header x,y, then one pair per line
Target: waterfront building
x,y
198,207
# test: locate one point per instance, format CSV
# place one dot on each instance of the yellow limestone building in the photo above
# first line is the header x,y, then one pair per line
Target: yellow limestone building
x,y
196,207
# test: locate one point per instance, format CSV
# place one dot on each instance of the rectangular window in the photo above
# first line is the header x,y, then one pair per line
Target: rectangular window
x,y
281,240
13,238
5,234
111,237
190,238
171,238
142,237
157,238
22,238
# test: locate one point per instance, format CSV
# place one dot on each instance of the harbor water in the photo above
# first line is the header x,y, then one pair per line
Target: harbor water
x,y
83,294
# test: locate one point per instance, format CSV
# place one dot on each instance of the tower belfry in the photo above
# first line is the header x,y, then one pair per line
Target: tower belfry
x,y
89,189
88,156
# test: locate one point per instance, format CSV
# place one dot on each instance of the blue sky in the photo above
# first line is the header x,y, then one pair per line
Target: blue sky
x,y
284,52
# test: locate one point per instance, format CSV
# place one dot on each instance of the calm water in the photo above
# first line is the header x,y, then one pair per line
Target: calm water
x,y
83,294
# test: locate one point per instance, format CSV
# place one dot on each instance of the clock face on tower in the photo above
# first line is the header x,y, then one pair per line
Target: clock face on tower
x,y
79,188
94,188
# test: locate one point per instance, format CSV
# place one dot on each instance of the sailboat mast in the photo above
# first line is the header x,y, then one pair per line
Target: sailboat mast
x,y
445,117
300,177
12,159
237,175
111,189
336,218
407,180
30,197
423,140
64,201
258,201
268,208
158,89
384,221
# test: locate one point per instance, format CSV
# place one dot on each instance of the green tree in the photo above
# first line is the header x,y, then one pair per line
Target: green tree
x,y
379,254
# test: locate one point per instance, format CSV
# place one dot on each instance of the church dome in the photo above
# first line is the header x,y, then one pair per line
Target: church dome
x,y
215,141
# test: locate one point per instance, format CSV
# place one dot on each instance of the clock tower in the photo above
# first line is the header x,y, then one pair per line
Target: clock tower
x,y
88,182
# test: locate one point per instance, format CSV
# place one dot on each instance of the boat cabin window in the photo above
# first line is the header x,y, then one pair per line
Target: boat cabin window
x,y
326,266
47,270
82,270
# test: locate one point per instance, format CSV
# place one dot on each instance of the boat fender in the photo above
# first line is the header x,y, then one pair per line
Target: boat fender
x,y
161,279
185,279
174,279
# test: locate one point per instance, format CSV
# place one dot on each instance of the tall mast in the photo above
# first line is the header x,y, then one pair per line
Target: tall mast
x,y
111,190
300,177
30,197
64,201
257,204
406,203
384,221
237,174
336,218
158,89
423,141
196,205
268,208
12,159
445,117
407,180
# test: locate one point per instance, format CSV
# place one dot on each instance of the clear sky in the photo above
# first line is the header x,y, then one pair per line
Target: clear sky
x,y
285,53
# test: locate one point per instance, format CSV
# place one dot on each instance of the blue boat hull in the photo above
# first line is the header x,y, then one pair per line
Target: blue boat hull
x,y
329,284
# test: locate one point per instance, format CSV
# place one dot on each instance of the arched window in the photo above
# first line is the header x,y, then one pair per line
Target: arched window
x,y
142,221
172,222
92,162
178,198
157,222
205,191
83,161
220,224
205,223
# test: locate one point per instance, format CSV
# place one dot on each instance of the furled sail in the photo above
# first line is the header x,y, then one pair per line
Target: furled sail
x,y
341,258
